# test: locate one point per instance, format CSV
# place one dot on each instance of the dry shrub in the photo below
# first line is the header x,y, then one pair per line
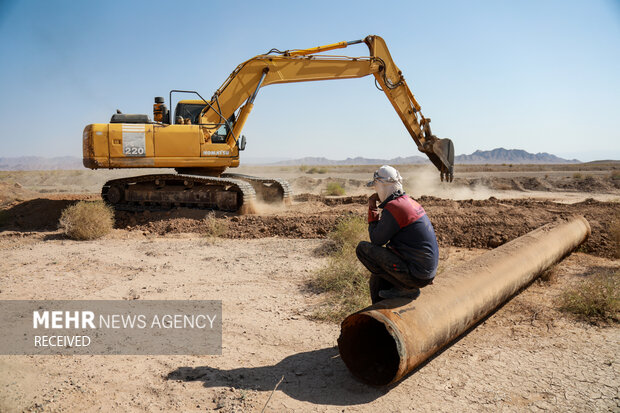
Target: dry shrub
x,y
349,231
334,188
316,170
87,220
214,227
595,299
344,279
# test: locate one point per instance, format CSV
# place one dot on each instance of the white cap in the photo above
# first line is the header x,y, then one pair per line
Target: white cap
x,y
385,174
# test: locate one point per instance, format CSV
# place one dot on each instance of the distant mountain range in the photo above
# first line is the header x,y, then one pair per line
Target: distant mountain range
x,y
501,155
353,161
34,163
495,156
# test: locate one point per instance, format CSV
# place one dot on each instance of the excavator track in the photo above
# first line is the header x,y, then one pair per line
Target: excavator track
x,y
270,190
166,191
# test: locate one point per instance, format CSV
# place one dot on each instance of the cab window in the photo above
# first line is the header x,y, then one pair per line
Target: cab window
x,y
222,132
189,111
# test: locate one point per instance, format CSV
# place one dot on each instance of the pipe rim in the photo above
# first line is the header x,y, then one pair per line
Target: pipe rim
x,y
372,348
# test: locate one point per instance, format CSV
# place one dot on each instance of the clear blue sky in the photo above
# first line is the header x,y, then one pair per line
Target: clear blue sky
x,y
543,76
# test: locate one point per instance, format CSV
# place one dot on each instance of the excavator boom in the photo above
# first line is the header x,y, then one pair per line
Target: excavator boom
x,y
306,65
393,84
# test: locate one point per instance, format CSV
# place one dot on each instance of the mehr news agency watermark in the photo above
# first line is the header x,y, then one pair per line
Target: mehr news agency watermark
x,y
153,327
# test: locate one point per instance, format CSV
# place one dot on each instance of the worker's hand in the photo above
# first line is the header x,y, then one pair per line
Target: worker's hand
x,y
373,200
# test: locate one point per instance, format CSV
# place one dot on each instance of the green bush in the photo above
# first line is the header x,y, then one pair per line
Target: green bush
x,y
349,231
344,279
334,188
594,299
87,220
316,170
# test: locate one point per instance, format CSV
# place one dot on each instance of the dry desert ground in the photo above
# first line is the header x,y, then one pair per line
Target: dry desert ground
x,y
527,356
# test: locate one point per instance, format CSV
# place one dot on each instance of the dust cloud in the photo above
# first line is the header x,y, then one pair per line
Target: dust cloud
x,y
263,208
425,181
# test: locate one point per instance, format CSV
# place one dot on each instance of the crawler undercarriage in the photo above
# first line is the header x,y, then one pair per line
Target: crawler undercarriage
x,y
228,192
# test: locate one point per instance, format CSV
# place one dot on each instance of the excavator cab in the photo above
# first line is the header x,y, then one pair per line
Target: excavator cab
x,y
189,110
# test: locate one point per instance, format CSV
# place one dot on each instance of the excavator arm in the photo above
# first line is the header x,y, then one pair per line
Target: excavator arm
x,y
391,81
239,90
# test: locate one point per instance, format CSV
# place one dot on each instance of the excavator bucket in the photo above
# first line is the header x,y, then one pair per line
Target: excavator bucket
x,y
443,158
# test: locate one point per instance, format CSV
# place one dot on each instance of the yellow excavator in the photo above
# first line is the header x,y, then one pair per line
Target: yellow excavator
x,y
203,138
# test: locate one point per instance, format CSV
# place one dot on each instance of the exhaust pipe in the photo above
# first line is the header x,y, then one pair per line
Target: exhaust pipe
x,y
384,342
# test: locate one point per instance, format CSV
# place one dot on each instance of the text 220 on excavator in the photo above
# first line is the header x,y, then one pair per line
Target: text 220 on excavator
x,y
205,137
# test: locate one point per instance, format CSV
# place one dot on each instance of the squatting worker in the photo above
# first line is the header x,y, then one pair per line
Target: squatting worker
x,y
409,260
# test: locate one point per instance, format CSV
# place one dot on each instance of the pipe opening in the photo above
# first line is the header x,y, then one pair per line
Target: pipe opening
x,y
368,350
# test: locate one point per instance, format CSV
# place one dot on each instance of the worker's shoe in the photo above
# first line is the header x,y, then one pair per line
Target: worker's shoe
x,y
399,293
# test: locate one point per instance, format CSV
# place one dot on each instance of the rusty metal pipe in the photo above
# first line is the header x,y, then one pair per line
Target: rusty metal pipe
x,y
384,342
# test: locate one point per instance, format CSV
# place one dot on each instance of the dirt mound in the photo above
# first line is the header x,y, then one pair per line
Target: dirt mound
x,y
318,185
589,184
336,200
11,192
303,226
40,214
548,183
490,223
249,226
309,226
468,223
